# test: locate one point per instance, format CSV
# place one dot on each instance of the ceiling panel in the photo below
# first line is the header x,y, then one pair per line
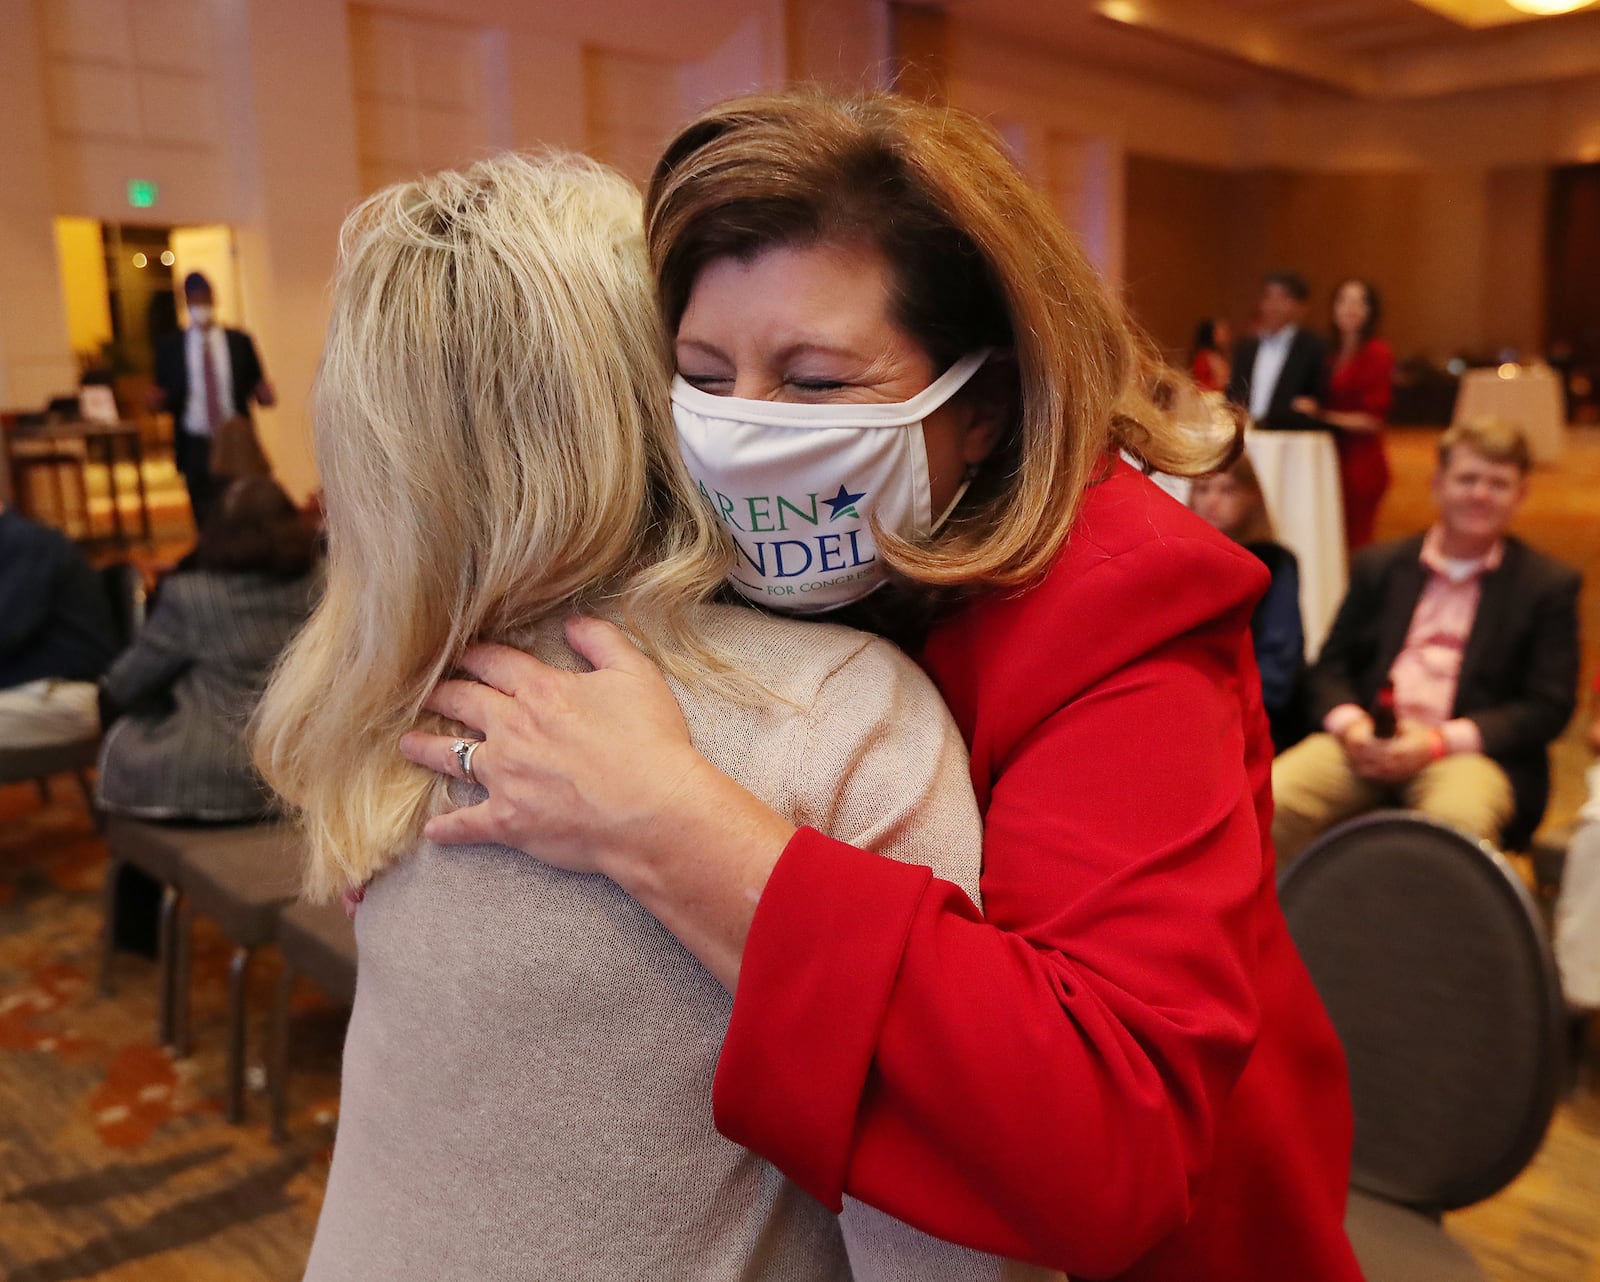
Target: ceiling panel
x,y
1241,47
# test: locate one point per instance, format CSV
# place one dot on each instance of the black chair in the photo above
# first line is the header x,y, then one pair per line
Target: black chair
x,y
1434,966
319,942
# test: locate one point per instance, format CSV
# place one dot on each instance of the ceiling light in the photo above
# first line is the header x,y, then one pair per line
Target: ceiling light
x,y
1546,7
1480,14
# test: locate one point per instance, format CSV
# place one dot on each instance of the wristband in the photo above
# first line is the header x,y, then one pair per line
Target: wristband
x,y
1438,749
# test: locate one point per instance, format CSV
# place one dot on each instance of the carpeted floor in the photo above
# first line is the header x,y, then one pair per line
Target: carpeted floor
x,y
115,1161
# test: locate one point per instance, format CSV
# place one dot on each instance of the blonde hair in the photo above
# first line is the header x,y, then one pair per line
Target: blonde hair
x,y
494,435
978,259
1493,438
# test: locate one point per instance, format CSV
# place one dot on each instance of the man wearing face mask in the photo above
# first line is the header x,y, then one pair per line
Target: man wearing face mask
x,y
206,374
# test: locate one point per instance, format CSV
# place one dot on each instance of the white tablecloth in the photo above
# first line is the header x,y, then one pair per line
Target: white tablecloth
x,y
1529,399
1299,474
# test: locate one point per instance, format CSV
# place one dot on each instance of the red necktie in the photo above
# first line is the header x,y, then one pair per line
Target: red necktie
x,y
213,391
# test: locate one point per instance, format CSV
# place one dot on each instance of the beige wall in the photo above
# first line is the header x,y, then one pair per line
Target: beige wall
x,y
81,253
1550,124
1179,263
272,117
35,347
133,91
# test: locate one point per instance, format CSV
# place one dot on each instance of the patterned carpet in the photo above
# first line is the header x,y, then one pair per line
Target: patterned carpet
x,y
115,1161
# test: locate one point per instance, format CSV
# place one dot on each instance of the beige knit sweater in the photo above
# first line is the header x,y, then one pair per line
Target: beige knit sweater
x,y
527,1076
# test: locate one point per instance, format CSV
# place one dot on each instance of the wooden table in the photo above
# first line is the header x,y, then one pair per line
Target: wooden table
x,y
103,439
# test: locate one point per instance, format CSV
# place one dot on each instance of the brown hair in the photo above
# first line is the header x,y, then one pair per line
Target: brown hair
x,y
1497,441
256,528
1373,300
1257,526
979,260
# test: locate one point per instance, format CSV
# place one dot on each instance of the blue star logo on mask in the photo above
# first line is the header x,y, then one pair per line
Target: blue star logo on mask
x,y
844,504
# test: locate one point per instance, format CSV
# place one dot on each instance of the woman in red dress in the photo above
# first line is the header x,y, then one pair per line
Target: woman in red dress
x,y
1210,363
1119,1066
1360,390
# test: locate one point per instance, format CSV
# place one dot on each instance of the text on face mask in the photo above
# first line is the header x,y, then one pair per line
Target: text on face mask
x,y
820,552
815,585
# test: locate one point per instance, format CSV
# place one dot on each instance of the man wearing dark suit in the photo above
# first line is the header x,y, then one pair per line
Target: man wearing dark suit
x,y
1282,363
56,636
206,374
1471,638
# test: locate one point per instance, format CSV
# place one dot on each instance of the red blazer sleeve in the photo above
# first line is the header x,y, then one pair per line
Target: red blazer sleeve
x,y
1043,1081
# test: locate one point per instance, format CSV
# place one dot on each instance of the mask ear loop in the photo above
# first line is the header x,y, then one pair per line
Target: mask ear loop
x,y
967,478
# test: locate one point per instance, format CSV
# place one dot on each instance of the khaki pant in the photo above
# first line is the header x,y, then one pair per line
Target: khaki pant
x,y
1313,788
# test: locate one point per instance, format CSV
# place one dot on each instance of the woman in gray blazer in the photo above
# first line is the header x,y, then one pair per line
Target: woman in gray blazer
x,y
192,676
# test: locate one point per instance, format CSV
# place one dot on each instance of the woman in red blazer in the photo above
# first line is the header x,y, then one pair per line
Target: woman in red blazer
x,y
1360,392
1119,1066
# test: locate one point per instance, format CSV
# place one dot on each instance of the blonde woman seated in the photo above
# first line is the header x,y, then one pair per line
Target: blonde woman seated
x,y
527,1076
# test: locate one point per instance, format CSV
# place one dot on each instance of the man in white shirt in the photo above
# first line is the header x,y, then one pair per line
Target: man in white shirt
x,y
1282,362
206,374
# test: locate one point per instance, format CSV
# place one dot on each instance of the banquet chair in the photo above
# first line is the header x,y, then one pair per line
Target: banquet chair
x,y
40,764
319,942
241,884
237,875
1435,969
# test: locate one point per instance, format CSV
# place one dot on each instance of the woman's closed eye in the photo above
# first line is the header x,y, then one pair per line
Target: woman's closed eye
x,y
792,388
706,382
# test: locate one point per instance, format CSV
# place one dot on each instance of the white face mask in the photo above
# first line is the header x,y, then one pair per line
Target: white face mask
x,y
797,486
201,314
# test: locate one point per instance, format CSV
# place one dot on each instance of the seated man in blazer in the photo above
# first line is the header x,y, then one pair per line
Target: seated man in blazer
x,y
1471,638
1282,363
57,636
206,374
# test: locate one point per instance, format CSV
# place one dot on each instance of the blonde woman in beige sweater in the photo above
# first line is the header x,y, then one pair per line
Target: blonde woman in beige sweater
x,y
527,1077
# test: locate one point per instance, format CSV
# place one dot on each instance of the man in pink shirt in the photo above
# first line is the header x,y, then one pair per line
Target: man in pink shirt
x,y
1470,638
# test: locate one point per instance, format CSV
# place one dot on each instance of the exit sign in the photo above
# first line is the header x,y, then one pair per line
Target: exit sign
x,y
141,193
